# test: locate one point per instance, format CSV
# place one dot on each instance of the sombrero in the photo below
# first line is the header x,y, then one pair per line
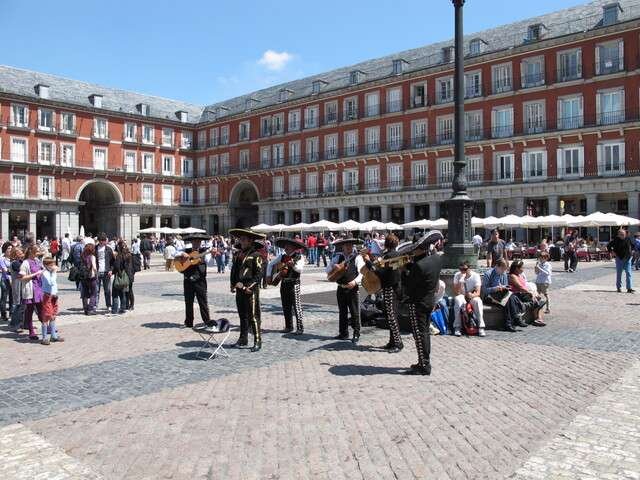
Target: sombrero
x,y
242,232
346,241
297,244
195,236
423,242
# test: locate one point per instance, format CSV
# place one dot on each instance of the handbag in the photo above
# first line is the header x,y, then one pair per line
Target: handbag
x,y
121,281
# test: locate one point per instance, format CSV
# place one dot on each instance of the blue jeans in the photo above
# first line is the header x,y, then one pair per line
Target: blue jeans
x,y
104,283
312,255
623,266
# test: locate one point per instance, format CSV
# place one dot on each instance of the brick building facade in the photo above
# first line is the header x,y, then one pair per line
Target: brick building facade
x,y
552,126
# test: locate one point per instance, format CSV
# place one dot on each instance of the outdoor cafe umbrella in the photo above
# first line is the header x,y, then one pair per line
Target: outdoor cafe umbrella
x,y
323,226
392,226
296,227
349,226
262,228
424,224
372,225
440,224
490,222
190,230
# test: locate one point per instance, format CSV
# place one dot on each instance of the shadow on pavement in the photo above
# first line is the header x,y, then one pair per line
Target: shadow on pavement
x,y
157,325
363,370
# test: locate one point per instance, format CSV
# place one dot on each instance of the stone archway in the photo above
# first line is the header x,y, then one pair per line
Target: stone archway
x,y
243,204
100,207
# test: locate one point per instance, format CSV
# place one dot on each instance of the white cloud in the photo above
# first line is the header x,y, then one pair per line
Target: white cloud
x,y
273,60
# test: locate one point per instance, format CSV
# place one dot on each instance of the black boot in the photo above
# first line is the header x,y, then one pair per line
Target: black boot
x,y
419,370
510,328
257,346
242,342
356,338
396,348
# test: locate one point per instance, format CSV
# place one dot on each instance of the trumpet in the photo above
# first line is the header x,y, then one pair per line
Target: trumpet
x,y
394,263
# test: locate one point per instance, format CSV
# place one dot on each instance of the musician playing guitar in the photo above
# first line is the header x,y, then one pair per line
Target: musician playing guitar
x,y
390,283
195,279
348,259
285,269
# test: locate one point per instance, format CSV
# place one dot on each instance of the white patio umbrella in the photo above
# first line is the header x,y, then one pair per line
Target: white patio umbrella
x,y
490,222
167,230
372,225
627,221
349,226
392,226
440,224
598,219
552,221
149,230
191,230
278,228
424,223
296,227
323,226
571,219
262,228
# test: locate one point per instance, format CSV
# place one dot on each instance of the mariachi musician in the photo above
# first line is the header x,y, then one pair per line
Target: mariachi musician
x,y
195,279
344,269
389,279
420,281
246,277
286,269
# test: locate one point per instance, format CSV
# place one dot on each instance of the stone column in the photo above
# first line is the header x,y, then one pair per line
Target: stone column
x,y
33,222
385,213
135,225
434,211
554,205
362,212
592,207
342,214
490,207
74,223
58,228
157,220
408,213
634,208
122,227
322,212
288,217
176,221
519,233
4,224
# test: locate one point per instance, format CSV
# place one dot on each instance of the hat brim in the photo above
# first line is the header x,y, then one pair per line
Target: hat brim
x,y
241,232
347,241
195,236
297,244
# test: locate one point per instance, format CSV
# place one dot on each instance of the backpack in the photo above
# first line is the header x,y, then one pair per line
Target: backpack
x,y
468,320
82,272
76,252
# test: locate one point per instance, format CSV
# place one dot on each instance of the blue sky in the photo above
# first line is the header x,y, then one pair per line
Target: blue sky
x,y
207,51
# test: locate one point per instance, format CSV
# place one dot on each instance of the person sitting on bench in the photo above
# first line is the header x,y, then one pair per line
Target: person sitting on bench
x,y
495,290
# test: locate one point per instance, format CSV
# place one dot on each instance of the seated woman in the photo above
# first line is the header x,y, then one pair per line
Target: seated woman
x,y
530,298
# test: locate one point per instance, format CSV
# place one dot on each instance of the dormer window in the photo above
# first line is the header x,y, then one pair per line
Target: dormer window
x,y
448,54
250,103
315,87
96,100
143,109
283,94
42,90
182,116
535,32
398,66
221,111
610,13
355,77
476,46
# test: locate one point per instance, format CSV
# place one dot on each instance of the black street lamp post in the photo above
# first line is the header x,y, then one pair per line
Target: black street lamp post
x,y
459,206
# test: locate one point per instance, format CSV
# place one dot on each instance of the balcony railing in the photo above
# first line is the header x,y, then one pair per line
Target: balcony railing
x,y
100,136
607,66
501,86
566,74
609,118
533,80
472,91
444,138
419,142
502,131
394,106
418,101
294,126
372,110
570,123
349,115
331,117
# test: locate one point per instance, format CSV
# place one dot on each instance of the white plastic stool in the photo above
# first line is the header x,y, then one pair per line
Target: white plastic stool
x,y
208,335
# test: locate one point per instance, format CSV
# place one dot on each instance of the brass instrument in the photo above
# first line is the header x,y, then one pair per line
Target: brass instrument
x,y
371,281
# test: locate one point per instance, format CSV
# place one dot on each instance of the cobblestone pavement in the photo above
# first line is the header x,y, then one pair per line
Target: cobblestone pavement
x,y
125,398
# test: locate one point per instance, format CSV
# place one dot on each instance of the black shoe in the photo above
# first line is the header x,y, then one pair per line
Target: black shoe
x,y
287,330
256,347
511,328
355,339
341,337
630,290
242,342
299,332
396,349
619,290
419,370
188,324
388,346
521,323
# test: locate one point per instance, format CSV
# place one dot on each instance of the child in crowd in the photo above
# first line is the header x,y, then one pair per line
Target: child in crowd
x,y
543,277
50,301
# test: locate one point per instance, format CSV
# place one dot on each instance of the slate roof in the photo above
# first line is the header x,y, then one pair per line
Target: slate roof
x,y
572,20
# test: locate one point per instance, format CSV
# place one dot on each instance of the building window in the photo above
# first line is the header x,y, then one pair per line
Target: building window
x,y
475,47
99,158
18,186
129,161
278,123
609,57
397,66
147,134
265,157
167,137
610,107
202,138
394,136
444,132
167,195
371,104
278,155
418,95
570,162
394,176
350,180
474,169
445,171
19,150
167,165
130,132
45,187
202,195
350,109
372,178
473,84
147,163
473,126
534,32
186,140
610,13
312,183
372,136
224,163
444,93
46,153
504,167
294,185
243,160
265,126
502,78
67,123
569,65
213,193
611,159
329,183
394,100
224,135
67,156
45,119
315,87
214,137
534,165
244,131
294,120
448,54
351,143
534,117
202,167
419,134
187,167
532,72
147,194
278,186
331,146
570,113
419,177
502,122
283,95
100,128
187,195
294,152
330,112
214,160
311,117
19,115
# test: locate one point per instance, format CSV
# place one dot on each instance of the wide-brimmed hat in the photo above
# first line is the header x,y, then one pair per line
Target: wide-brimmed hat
x,y
190,237
422,243
347,241
243,232
297,244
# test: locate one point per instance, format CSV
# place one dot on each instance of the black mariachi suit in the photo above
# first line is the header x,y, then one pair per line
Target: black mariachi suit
x,y
390,282
247,269
195,285
290,295
348,299
420,282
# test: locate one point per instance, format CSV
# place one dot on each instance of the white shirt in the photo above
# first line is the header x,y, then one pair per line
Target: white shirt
x,y
476,240
169,252
66,244
471,282
297,267
100,253
359,264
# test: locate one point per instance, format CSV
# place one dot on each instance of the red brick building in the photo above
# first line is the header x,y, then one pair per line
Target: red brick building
x,y
552,126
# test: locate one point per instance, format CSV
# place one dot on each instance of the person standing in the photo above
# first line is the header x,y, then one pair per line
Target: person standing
x,y
570,251
88,273
622,248
322,250
420,281
290,265
32,295
169,254
543,272
496,249
246,277
347,293
6,293
467,286
66,251
104,259
50,302
312,243
146,247
121,268
17,308
391,291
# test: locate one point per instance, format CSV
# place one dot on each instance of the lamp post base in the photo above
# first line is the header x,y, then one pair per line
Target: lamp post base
x,y
459,247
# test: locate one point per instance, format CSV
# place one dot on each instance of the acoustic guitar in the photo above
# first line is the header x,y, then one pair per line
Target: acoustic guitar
x,y
281,269
340,269
194,258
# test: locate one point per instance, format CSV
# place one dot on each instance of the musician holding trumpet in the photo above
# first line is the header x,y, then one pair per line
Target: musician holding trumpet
x,y
285,270
344,269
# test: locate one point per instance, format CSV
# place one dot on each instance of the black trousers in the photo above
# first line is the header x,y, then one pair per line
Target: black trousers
x,y
146,256
248,306
291,305
570,260
390,303
348,303
197,290
420,327
130,297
